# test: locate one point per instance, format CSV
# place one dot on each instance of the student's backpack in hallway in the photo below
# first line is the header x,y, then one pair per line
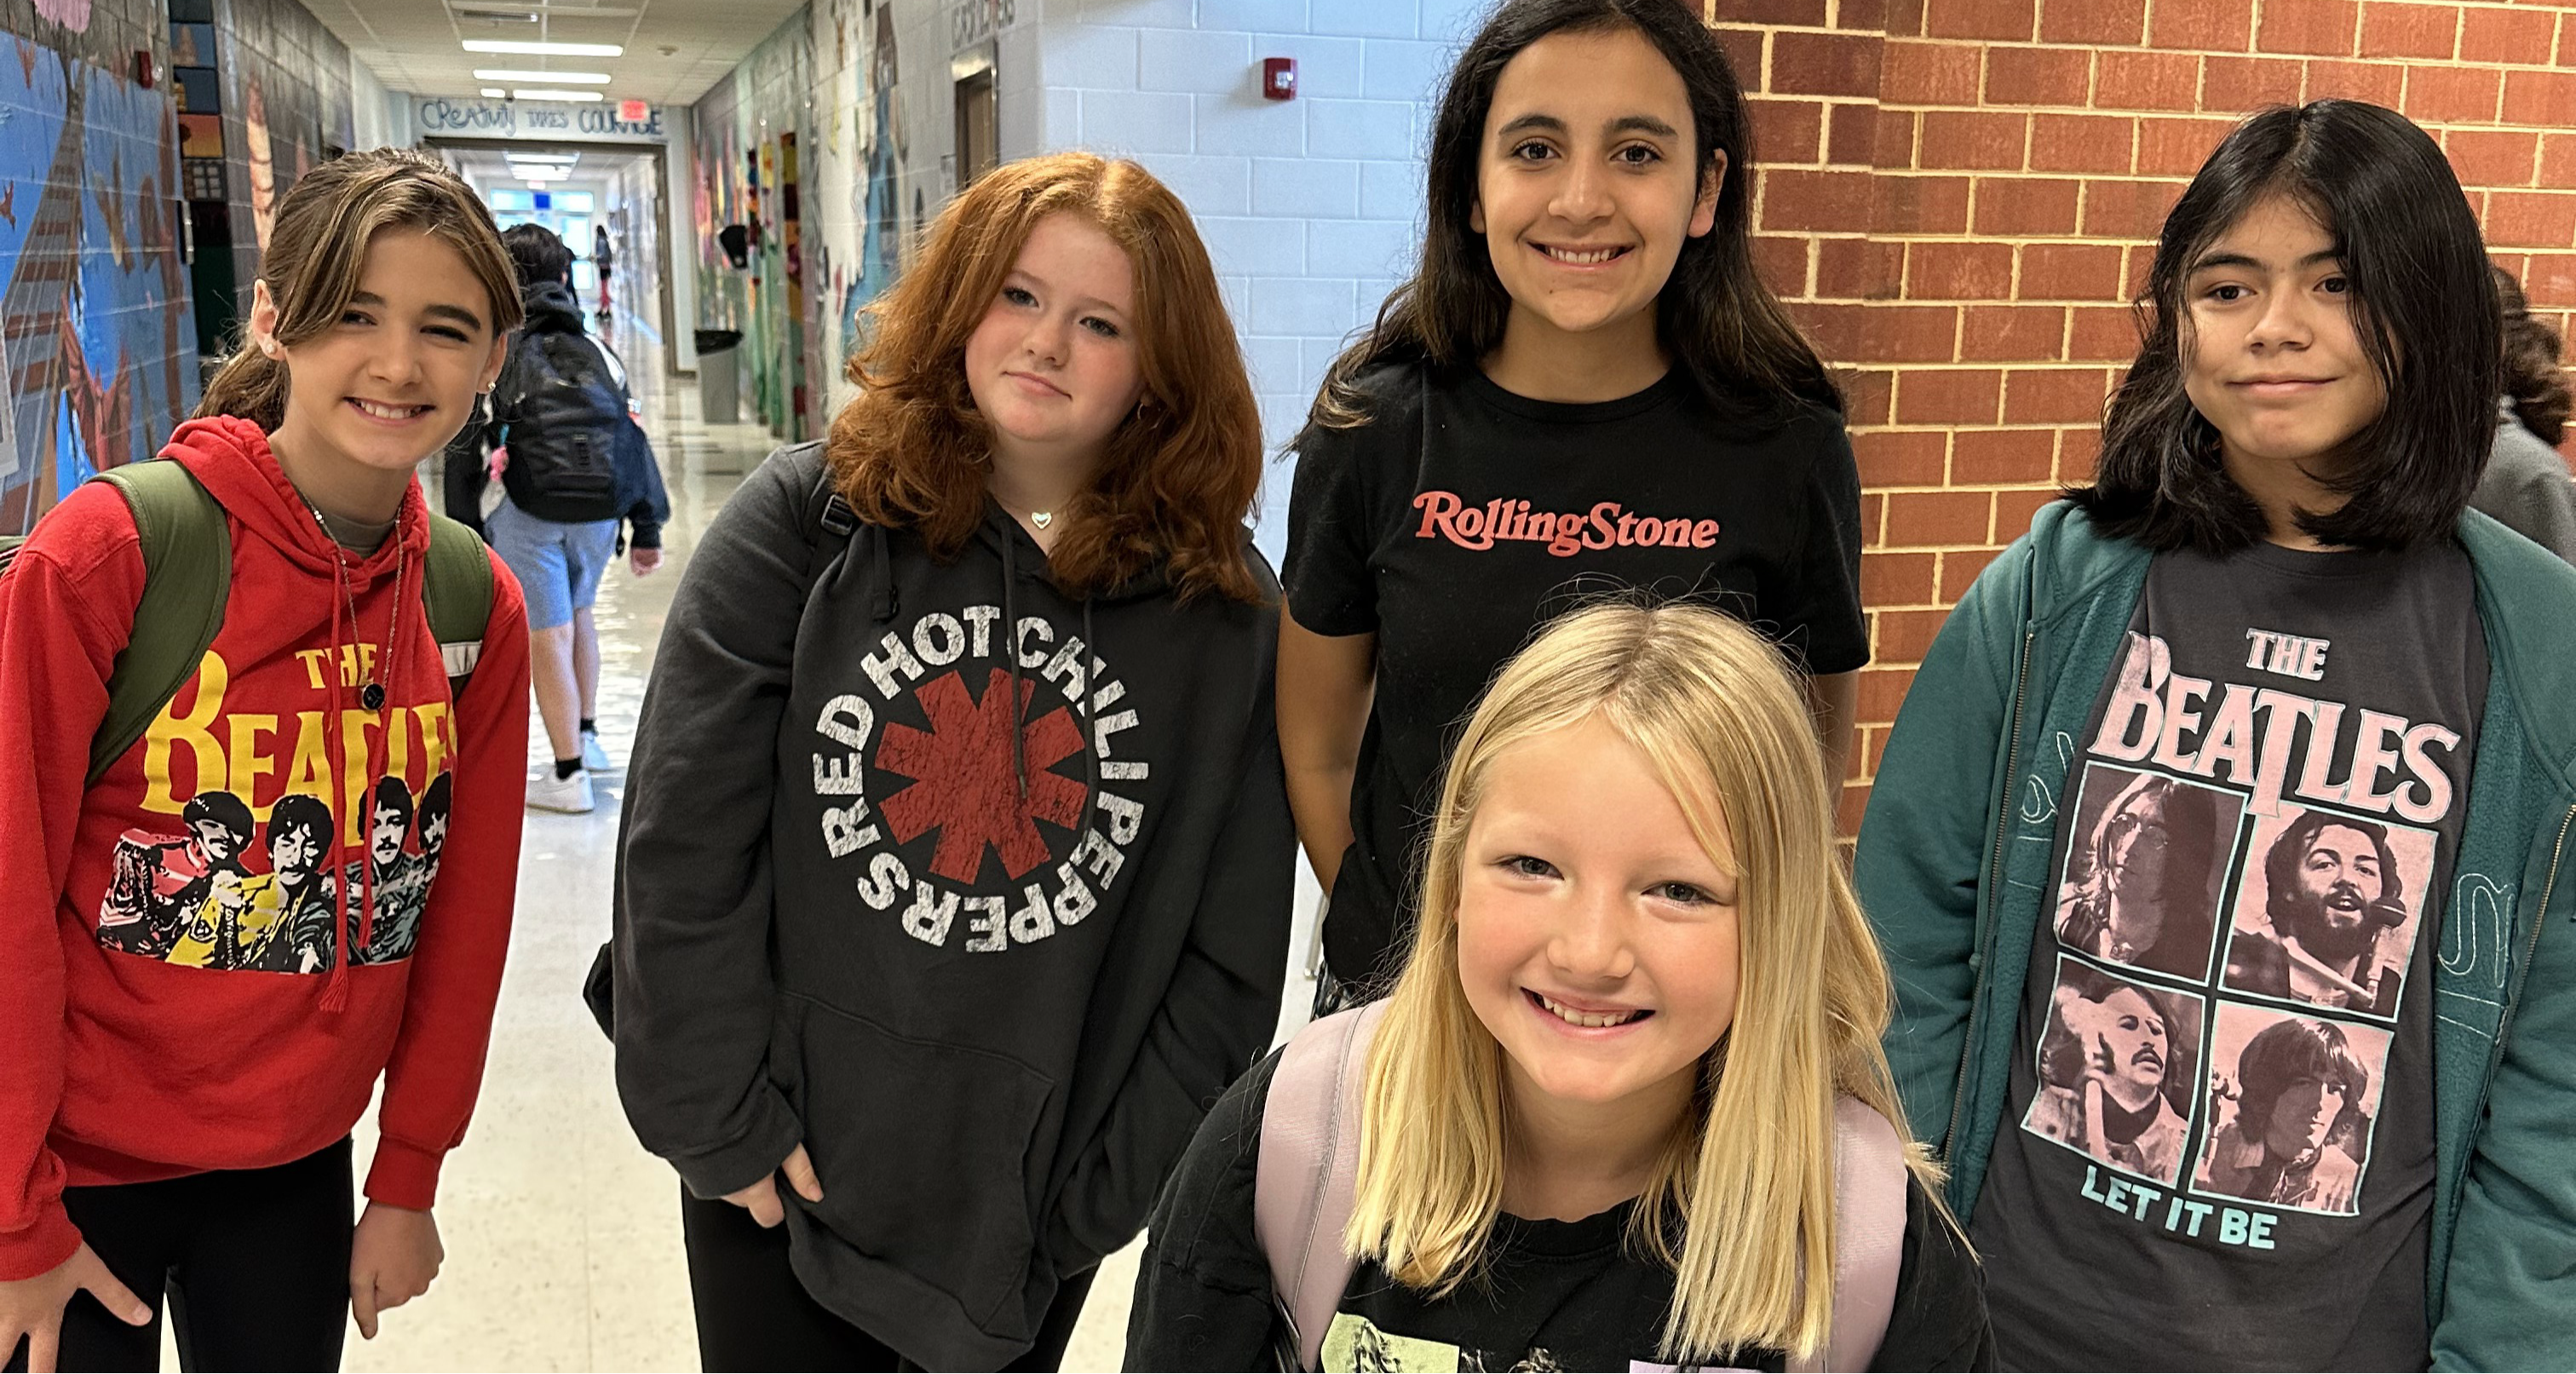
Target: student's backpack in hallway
x,y
1306,1180
188,574
560,409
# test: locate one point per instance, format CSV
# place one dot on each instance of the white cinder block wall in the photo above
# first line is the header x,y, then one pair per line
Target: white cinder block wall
x,y
1311,207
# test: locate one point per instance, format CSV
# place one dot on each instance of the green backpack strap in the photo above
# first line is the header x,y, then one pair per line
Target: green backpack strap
x,y
187,574
457,588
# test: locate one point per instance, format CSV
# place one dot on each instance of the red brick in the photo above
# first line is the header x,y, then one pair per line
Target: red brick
x,y
2237,84
2056,395
1810,13
2423,31
2531,219
2544,100
1862,16
2517,36
1917,519
1781,261
1928,74
1843,64
1882,691
1920,205
1852,805
2567,40
2147,81
2177,147
1833,327
2102,334
2203,25
1869,396
2000,456
1868,269
1983,140
2453,95
1743,49
1907,334
2550,279
2010,21
2081,143
1958,271
2038,76
1900,458
2128,209
1851,132
2020,207
1949,397
1873,519
1823,202
2557,159
2380,83
2070,272
2133,278
1786,130
2102,23
2011,333
1959,569
2321,28
2077,452
1904,635
2014,509
1898,579
1892,139
1874,740
2492,157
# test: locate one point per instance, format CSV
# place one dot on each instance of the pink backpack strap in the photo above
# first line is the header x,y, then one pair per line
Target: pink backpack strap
x,y
1304,1186
1869,1236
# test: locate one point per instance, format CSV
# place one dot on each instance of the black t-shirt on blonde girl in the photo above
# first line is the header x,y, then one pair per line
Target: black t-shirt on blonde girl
x,y
1462,517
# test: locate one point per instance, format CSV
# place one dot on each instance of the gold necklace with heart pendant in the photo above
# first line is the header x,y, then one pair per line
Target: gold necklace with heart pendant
x,y
1042,518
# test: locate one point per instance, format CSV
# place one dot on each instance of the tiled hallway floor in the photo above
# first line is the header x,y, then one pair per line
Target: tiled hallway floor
x,y
562,1234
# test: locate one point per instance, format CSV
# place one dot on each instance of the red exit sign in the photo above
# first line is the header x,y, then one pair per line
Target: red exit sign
x,y
632,111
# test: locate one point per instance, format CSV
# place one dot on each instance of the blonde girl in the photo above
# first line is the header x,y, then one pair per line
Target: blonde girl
x,y
1598,1117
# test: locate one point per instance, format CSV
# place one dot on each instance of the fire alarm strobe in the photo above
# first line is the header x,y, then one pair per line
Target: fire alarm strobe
x,y
1279,78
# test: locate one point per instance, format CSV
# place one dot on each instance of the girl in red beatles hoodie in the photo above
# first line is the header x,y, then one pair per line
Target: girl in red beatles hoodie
x,y
301,877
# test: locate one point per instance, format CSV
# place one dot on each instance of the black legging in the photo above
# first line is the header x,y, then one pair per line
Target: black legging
x,y
255,1263
753,1312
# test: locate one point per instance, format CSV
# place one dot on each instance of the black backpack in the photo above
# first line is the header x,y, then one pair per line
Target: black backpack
x,y
559,409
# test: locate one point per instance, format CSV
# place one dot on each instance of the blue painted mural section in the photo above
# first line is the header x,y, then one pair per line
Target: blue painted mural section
x,y
96,323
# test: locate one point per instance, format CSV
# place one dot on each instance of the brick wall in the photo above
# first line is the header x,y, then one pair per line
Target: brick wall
x,y
1959,197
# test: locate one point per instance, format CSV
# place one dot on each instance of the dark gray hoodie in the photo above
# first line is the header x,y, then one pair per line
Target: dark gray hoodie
x,y
991,984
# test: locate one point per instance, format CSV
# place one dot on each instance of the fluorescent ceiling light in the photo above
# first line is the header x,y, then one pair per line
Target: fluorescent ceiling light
x,y
503,45
493,93
526,93
560,159
513,74
522,8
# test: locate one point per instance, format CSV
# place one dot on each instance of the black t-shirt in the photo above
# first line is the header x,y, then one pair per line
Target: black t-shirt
x,y
2223,1084
1553,1294
1463,516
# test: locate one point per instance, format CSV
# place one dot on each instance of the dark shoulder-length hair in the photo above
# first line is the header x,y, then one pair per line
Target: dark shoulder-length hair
x,y
2411,250
1180,472
1725,329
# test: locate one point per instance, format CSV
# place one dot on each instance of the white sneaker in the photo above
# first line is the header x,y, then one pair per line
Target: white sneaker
x,y
569,795
593,757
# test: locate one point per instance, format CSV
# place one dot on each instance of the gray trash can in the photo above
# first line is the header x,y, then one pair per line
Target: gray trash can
x,y
719,376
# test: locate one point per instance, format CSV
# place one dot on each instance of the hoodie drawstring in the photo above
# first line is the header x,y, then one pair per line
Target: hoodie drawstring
x,y
335,994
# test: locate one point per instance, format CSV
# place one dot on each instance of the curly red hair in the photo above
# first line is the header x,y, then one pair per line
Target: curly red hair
x,y
1179,474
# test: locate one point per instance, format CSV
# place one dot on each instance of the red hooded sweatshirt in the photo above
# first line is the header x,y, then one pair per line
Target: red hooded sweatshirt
x,y
211,954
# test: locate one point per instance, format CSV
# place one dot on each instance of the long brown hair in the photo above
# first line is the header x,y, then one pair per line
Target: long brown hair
x,y
318,251
2533,380
1177,477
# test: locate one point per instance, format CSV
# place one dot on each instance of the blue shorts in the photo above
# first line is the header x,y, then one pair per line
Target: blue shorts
x,y
558,565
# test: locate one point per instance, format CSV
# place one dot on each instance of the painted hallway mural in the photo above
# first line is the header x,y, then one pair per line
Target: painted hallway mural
x,y
96,325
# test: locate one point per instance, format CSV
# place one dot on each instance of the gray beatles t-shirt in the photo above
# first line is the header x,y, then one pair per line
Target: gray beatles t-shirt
x,y
2219,1147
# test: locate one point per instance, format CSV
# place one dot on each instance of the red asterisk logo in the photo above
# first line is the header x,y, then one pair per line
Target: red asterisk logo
x,y
964,787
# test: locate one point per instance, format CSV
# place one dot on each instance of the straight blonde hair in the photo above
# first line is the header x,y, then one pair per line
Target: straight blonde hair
x,y
1743,1207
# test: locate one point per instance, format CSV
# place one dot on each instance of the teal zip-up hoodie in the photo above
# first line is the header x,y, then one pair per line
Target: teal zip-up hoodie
x,y
1956,891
